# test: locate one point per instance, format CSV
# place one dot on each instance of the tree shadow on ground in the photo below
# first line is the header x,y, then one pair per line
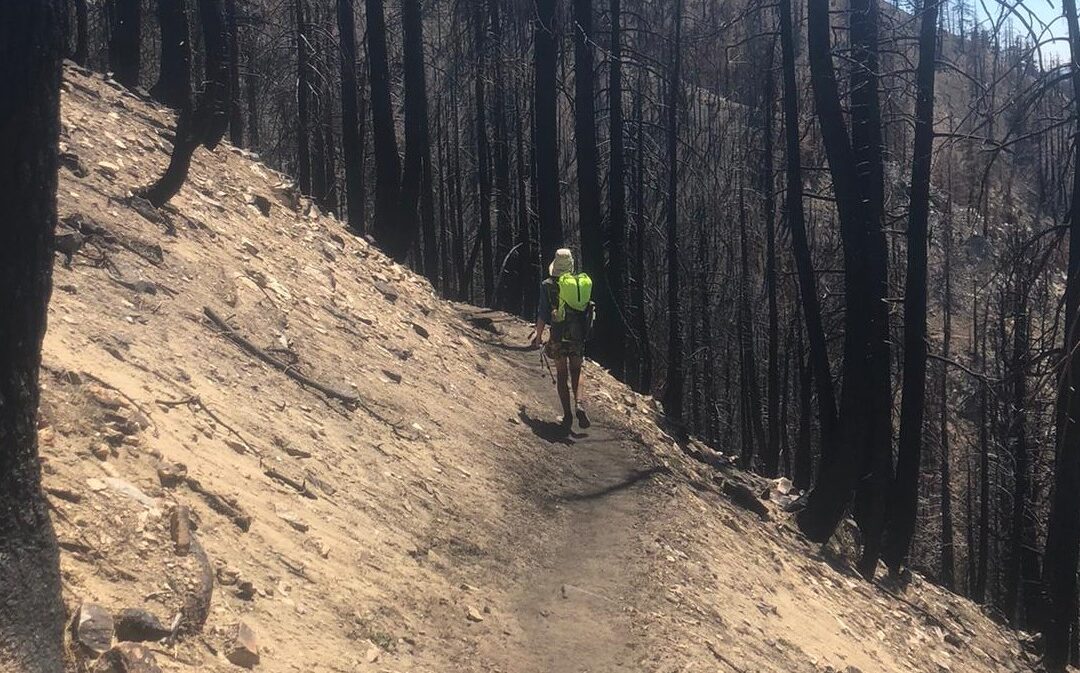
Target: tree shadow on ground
x,y
549,431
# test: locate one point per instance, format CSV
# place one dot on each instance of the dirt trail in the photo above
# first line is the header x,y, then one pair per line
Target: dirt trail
x,y
576,610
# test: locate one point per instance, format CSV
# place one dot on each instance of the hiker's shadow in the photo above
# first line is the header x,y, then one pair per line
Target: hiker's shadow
x,y
556,433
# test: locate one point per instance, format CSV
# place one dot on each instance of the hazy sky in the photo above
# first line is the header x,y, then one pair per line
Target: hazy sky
x,y
1047,11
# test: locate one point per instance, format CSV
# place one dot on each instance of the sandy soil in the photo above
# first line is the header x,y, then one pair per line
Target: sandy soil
x,y
422,516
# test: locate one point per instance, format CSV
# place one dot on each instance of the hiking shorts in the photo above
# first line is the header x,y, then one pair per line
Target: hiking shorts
x,y
556,349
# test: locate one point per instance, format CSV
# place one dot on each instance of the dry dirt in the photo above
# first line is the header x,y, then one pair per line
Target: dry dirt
x,y
432,522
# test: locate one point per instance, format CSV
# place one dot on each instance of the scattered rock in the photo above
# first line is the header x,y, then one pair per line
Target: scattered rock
x,y
249,247
108,169
171,475
245,590
262,203
473,615
242,647
290,518
92,628
68,244
180,528
392,375
110,399
372,654
100,450
386,291
71,161
128,658
227,577
138,625
421,330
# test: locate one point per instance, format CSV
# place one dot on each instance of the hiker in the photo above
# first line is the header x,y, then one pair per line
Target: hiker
x,y
565,303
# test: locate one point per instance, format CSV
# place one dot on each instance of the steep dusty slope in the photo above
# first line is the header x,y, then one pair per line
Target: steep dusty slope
x,y
418,514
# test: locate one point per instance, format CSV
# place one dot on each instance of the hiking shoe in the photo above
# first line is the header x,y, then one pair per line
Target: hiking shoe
x,y
583,418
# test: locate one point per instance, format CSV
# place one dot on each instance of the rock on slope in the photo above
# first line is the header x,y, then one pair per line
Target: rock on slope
x,y
387,522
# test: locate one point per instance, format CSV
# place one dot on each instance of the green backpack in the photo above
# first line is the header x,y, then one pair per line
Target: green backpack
x,y
575,310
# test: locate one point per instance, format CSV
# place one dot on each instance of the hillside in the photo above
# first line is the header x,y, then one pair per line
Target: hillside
x,y
407,507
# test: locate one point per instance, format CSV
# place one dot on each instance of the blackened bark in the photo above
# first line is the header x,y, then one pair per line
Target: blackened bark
x,y
546,129
82,32
673,386
948,554
350,119
125,41
643,346
236,115
250,84
31,49
982,568
203,122
416,198
483,154
588,184
770,455
616,233
802,473
1063,531
506,285
821,372
173,87
388,228
904,493
303,101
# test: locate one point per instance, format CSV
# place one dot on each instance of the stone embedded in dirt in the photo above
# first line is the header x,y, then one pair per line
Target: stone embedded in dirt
x,y
92,628
128,658
242,646
249,247
180,528
100,450
473,615
138,625
245,590
290,518
171,475
108,169
227,577
393,376
386,291
421,330
110,399
372,654
71,161
262,203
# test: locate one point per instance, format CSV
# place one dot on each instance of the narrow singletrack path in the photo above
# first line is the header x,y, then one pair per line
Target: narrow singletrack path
x,y
577,609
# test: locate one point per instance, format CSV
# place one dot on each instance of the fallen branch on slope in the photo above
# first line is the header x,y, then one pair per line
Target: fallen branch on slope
x,y
291,372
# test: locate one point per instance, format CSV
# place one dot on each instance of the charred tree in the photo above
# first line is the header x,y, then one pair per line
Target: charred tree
x,y
125,41
546,128
173,87
351,143
388,228
31,49
236,114
904,493
673,386
417,200
204,121
82,32
821,372
483,154
303,101
507,286
1063,531
616,232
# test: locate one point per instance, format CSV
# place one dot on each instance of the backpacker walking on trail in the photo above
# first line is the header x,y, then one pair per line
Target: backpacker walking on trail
x,y
566,304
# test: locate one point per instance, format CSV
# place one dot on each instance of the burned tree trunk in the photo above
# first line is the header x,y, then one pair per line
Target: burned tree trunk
x,y
904,494
350,118
796,219
417,205
203,122
1063,531
31,48
236,115
82,32
173,87
388,228
125,41
616,233
546,128
673,387
303,102
483,154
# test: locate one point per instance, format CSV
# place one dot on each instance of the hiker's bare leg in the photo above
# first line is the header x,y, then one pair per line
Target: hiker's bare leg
x,y
575,377
563,387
